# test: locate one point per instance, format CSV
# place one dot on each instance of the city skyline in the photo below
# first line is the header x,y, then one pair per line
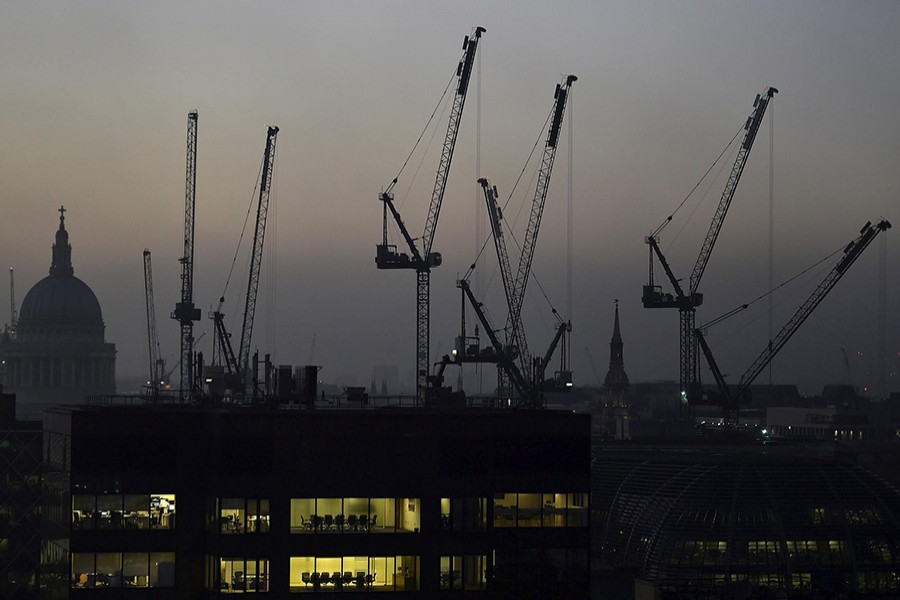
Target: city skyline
x,y
94,119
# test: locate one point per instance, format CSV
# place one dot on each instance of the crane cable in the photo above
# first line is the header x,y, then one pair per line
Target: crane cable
x,y
508,198
509,230
241,239
668,219
742,307
442,105
421,135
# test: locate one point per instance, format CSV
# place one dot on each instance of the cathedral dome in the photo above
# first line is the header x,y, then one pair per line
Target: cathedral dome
x,y
61,299
60,304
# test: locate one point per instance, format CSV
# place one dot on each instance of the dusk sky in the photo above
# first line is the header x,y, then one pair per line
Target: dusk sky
x,y
93,109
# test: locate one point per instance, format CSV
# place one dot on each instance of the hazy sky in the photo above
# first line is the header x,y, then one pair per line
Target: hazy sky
x,y
95,96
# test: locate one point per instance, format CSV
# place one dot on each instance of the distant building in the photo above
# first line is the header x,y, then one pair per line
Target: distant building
x,y
614,393
57,352
183,502
751,521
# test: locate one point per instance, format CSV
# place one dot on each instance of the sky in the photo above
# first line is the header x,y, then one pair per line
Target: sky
x,y
95,97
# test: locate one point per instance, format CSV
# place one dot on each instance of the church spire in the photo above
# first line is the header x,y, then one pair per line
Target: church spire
x,y
616,379
62,250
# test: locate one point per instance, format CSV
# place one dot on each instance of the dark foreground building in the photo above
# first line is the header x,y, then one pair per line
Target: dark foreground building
x,y
179,502
721,521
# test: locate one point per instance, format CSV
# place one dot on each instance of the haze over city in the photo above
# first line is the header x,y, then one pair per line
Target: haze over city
x,y
96,95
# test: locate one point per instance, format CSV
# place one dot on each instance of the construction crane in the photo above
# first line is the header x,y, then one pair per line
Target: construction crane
x,y
237,365
13,315
185,312
514,288
687,302
422,261
731,400
157,364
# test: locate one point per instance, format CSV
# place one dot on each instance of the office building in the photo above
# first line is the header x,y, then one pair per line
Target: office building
x,y
190,502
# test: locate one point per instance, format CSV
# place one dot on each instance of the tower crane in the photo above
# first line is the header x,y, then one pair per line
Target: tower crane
x,y
422,261
185,312
237,365
687,302
515,287
157,363
731,400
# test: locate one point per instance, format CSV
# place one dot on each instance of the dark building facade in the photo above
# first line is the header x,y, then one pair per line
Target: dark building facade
x,y
20,502
57,352
179,502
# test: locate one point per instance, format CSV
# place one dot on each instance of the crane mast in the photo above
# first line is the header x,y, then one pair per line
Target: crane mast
x,y
157,364
732,400
386,255
185,312
262,211
688,302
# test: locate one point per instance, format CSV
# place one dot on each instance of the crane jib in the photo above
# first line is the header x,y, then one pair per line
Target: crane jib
x,y
470,45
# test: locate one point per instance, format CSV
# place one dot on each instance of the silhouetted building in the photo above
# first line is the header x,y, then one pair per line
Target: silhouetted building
x,y
58,353
488,502
20,502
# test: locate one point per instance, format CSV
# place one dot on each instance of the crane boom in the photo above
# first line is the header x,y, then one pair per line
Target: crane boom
x,y
464,72
422,261
852,252
751,127
262,211
537,210
495,215
512,371
157,368
185,312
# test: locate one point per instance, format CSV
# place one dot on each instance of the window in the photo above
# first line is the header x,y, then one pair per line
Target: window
x,y
354,515
129,511
356,573
463,514
162,511
115,569
541,510
463,572
239,575
244,515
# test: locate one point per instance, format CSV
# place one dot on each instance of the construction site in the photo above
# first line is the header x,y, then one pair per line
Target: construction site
x,y
495,470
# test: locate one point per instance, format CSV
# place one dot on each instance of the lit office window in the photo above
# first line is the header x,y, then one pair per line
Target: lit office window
x,y
244,515
83,509
240,575
129,569
162,511
354,515
353,573
505,506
